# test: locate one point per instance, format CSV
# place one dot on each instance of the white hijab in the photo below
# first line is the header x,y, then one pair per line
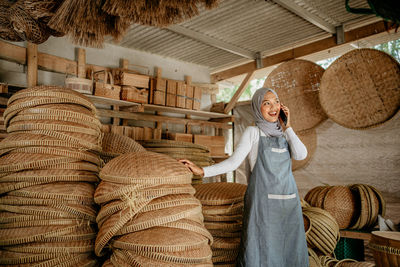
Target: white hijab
x,y
269,128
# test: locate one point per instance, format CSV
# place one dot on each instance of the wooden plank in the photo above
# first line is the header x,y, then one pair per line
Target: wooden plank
x,y
124,63
32,64
355,235
239,92
109,101
199,113
156,118
57,64
12,52
81,63
350,36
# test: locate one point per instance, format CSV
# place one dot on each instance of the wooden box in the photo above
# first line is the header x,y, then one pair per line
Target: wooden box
x,y
180,95
159,97
171,93
147,133
216,144
157,133
160,84
189,97
3,88
131,78
133,94
180,137
139,133
197,98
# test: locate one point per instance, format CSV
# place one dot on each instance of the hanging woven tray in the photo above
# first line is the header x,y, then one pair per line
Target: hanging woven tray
x,y
160,239
297,83
309,139
361,89
145,168
220,193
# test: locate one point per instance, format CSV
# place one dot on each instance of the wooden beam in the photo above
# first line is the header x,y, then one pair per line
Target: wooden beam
x,y
12,52
32,64
81,63
239,92
57,64
350,36
161,119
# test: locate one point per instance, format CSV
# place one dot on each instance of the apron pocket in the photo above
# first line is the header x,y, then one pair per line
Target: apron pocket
x,y
282,210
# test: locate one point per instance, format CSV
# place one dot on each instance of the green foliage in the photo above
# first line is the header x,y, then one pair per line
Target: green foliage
x,y
392,48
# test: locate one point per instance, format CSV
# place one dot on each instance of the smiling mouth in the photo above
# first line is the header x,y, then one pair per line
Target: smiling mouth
x,y
273,114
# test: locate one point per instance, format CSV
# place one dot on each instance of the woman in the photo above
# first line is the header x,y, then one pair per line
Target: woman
x,y
273,231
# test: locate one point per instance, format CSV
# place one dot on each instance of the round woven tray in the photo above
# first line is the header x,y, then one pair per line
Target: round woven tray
x,y
160,239
190,225
319,200
53,91
223,226
115,145
134,168
297,84
309,139
172,143
220,233
44,222
225,243
6,187
51,175
360,89
223,218
340,203
382,202
55,247
233,209
220,193
362,214
14,258
150,219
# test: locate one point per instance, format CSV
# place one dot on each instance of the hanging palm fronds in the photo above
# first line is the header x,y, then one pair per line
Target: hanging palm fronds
x,y
156,13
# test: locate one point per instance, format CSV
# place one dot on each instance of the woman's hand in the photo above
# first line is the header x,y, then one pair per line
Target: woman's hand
x,y
196,170
287,113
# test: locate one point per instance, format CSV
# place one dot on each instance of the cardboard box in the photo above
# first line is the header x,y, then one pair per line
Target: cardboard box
x,y
216,144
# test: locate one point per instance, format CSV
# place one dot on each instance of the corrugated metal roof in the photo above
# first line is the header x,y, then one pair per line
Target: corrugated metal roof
x,y
249,25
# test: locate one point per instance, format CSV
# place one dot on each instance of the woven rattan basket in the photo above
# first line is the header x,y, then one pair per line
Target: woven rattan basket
x,y
220,193
297,84
133,168
360,89
340,203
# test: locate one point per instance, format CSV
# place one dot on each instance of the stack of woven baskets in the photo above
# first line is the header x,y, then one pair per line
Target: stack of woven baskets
x,y
149,215
223,214
328,261
114,145
198,154
353,207
48,168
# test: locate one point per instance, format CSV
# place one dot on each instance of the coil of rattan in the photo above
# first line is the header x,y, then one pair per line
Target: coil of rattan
x,y
297,83
360,89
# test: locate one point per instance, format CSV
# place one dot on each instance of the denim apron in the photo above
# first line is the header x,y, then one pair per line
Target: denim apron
x,y
273,230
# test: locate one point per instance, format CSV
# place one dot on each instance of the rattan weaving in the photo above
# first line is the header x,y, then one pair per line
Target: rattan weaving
x,y
309,139
190,225
297,84
225,243
15,258
221,233
55,247
172,143
223,218
223,226
133,168
360,89
232,209
114,145
53,175
220,193
161,239
362,207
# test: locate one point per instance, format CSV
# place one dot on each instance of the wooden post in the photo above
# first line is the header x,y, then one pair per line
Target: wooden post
x,y
32,62
188,128
239,92
124,63
81,63
115,121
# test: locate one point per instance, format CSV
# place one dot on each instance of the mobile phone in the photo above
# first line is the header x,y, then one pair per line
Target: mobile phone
x,y
282,115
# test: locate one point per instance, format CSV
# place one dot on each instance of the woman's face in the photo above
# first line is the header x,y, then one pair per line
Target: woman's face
x,y
270,107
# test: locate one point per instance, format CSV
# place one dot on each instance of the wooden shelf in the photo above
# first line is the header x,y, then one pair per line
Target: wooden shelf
x,y
355,234
122,103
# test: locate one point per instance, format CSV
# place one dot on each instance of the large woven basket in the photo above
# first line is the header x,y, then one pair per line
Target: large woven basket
x,y
297,84
361,89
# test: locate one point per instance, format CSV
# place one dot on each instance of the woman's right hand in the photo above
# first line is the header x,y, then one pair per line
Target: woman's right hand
x,y
196,170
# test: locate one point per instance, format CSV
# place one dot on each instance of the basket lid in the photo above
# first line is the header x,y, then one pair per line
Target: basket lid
x,y
360,89
220,193
145,168
297,84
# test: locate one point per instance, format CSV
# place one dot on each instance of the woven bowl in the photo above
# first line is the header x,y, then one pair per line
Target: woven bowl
x,y
361,89
145,168
297,84
220,193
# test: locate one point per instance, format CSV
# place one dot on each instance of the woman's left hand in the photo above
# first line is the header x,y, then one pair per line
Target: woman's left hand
x,y
287,113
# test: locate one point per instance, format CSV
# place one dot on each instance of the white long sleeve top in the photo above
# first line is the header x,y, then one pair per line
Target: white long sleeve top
x,y
248,146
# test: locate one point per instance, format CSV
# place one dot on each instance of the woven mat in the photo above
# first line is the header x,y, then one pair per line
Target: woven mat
x,y
220,193
297,84
309,139
133,168
361,89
